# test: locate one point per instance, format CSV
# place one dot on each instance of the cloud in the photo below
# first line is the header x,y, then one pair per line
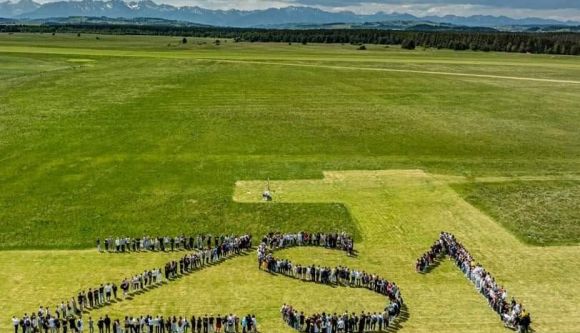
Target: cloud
x,y
231,4
550,9
459,10
520,4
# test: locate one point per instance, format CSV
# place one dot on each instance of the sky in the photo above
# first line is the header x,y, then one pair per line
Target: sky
x,y
556,9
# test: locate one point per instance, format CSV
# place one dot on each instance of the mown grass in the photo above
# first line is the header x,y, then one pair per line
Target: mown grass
x,y
540,213
399,214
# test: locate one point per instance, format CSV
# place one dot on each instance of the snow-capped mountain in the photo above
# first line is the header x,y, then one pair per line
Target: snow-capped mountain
x,y
9,9
235,18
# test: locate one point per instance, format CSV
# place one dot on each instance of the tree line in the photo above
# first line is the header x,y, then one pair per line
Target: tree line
x,y
564,43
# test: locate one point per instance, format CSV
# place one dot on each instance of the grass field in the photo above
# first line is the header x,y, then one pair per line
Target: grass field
x,y
543,213
128,135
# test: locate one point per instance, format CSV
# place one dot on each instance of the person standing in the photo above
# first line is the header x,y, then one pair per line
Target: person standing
x,y
80,325
15,323
64,326
107,322
102,294
90,297
524,322
96,297
199,323
80,300
161,325
386,319
119,329
108,291
245,325
51,324
127,324
205,324
57,325
218,323
254,324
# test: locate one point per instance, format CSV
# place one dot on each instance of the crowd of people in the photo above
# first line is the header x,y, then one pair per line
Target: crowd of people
x,y
164,243
429,258
320,274
69,314
44,322
201,324
221,248
207,250
339,275
340,323
512,313
141,281
225,247
274,241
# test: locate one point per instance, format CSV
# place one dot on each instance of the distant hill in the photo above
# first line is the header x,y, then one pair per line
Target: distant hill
x,y
387,25
82,20
278,17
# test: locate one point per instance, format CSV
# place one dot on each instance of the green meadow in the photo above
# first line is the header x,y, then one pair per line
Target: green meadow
x,y
541,213
136,135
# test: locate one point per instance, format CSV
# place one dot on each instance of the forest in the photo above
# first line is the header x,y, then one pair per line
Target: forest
x,y
563,43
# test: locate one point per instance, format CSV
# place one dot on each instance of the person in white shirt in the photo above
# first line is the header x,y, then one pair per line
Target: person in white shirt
x,y
155,323
340,325
51,325
15,323
108,290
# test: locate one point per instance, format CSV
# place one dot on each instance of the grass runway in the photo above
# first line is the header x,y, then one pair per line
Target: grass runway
x,y
133,135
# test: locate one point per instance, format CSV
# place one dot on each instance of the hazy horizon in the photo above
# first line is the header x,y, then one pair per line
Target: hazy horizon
x,y
557,9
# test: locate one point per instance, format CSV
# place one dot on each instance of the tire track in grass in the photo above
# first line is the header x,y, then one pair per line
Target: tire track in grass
x,y
394,70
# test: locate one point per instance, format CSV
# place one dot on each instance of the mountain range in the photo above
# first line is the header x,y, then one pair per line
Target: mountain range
x,y
273,17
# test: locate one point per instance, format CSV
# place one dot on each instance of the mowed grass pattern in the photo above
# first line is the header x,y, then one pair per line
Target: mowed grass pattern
x,y
132,136
400,213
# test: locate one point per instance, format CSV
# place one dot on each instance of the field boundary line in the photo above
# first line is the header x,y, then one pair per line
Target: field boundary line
x,y
414,71
451,179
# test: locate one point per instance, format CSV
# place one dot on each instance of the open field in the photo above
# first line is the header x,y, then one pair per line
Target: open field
x,y
540,212
133,135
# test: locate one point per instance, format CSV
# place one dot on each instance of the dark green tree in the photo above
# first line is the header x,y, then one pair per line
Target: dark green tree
x,y
408,44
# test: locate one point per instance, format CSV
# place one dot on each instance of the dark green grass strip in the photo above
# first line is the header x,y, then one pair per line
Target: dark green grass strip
x,y
538,213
